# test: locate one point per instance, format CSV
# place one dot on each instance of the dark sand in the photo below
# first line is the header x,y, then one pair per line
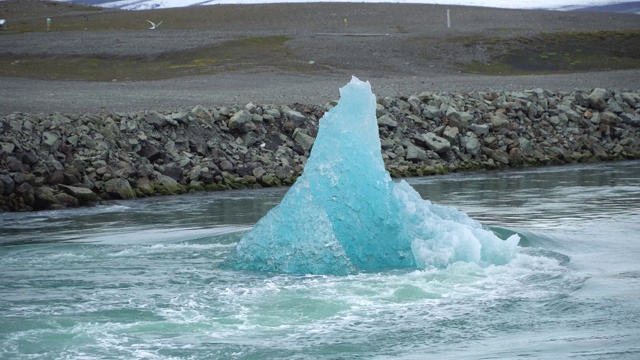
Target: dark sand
x,y
413,53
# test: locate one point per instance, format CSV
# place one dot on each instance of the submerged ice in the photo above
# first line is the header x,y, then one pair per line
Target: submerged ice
x,y
345,214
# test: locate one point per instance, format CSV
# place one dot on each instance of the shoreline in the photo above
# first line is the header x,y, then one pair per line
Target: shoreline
x,y
61,160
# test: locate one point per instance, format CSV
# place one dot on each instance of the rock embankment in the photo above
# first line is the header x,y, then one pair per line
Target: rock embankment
x,y
62,160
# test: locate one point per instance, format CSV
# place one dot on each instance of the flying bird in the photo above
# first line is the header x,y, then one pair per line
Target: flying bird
x,y
153,25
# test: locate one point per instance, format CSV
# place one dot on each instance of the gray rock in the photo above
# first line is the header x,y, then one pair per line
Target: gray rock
x,y
250,138
571,114
415,103
8,184
458,120
431,112
609,118
526,147
471,144
294,116
415,153
150,152
183,116
143,184
614,107
259,172
598,99
303,139
498,120
581,98
226,165
496,155
154,119
119,189
175,173
15,165
242,121
201,113
44,197
480,129
629,98
274,113
629,119
7,148
168,182
451,134
386,120
65,200
51,140
436,143
84,195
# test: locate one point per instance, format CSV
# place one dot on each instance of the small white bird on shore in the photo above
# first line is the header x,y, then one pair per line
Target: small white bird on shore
x,y
154,25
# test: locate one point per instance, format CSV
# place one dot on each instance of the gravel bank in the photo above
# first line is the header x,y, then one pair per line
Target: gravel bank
x,y
417,55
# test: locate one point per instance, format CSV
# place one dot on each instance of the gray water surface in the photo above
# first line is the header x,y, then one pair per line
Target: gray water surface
x,y
140,280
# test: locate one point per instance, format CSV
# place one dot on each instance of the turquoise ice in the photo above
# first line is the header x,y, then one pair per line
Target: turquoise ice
x,y
345,215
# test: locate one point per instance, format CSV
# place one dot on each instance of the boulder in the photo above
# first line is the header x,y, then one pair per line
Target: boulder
x,y
598,99
303,139
436,143
526,148
242,121
259,172
7,183
431,112
119,189
51,140
170,184
451,134
471,144
201,113
154,119
44,197
497,155
480,129
294,116
629,98
414,153
83,195
498,120
175,173
386,120
629,119
150,152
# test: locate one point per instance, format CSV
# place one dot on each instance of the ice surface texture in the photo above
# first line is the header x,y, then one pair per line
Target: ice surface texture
x,y
345,214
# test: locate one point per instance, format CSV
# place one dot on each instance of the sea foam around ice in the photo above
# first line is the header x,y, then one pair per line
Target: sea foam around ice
x,y
345,215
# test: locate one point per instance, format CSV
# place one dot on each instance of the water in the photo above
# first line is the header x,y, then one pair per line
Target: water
x,y
140,280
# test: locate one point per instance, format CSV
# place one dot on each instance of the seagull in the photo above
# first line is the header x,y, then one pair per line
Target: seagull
x,y
153,25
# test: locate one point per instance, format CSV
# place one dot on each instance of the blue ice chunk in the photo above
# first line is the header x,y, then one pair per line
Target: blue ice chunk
x,y
345,214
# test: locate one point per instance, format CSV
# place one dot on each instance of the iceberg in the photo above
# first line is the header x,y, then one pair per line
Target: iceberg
x,y
346,215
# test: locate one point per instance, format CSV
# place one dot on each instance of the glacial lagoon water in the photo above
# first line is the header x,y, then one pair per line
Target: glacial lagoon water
x,y
142,280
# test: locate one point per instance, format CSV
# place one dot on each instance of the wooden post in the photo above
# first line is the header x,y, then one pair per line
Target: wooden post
x,y
448,19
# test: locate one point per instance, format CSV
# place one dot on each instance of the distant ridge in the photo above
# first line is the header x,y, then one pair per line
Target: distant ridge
x,y
614,6
621,8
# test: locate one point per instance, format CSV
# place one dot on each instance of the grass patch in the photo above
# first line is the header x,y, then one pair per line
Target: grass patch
x,y
560,52
245,53
475,39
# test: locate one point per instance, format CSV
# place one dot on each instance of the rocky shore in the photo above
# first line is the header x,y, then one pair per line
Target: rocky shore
x,y
55,161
